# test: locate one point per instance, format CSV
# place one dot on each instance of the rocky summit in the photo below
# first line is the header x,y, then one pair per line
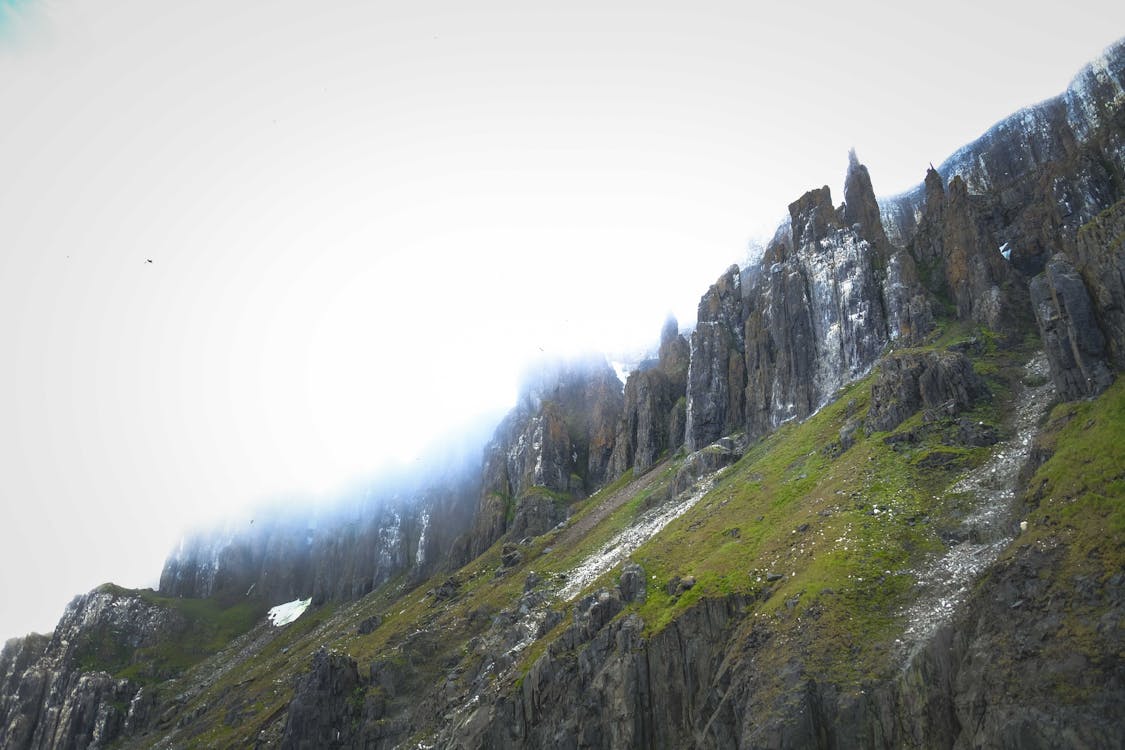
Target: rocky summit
x,y
873,498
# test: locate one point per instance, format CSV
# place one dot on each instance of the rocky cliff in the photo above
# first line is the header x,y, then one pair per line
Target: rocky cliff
x,y
342,551
655,408
553,448
85,685
843,514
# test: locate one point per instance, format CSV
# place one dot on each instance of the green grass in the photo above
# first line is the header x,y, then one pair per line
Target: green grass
x,y
201,627
1079,492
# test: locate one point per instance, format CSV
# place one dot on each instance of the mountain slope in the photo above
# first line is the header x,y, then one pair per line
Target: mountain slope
x,y
844,516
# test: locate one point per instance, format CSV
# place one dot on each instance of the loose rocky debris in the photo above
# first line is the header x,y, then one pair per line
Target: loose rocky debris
x,y
617,549
991,490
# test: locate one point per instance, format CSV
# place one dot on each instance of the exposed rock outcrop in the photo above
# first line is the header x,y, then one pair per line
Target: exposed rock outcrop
x,y
909,381
1100,258
861,209
1015,667
1041,173
964,258
717,373
816,317
560,437
701,682
653,422
1071,337
906,304
53,692
327,705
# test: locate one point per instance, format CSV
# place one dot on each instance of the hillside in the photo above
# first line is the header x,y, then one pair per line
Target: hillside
x,y
875,498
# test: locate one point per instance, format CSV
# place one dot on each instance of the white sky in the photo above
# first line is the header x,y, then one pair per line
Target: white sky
x,y
364,217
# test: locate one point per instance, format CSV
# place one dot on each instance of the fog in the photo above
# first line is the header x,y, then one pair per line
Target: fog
x,y
263,249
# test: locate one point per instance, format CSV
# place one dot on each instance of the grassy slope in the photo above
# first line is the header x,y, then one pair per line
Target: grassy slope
x,y
842,529
1077,524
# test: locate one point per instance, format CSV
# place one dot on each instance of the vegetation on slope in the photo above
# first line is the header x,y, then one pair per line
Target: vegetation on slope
x,y
201,627
817,530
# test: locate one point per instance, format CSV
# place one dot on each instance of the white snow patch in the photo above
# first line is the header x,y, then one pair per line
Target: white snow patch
x,y
283,614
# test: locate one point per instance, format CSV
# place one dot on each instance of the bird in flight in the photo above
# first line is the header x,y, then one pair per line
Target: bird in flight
x,y
148,260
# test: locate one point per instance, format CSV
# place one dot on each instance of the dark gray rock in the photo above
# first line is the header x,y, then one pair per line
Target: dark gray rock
x,y
705,461
956,241
817,315
974,434
644,434
510,555
368,625
861,210
1074,344
633,585
327,705
717,375
907,382
537,512
1041,173
1100,258
55,691
909,308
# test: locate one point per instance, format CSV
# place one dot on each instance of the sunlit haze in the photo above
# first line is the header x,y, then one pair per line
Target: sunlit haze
x,y
363,219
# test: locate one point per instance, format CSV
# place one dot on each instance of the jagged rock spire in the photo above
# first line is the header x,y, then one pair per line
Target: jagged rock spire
x,y
860,206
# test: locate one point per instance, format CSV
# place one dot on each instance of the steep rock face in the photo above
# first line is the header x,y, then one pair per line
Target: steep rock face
x,y
1074,344
604,685
909,309
1042,173
335,553
929,380
716,375
560,437
20,698
906,304
816,316
861,210
326,706
652,422
1002,674
52,694
964,257
1100,257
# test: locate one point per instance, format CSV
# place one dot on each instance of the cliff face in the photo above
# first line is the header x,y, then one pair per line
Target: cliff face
x,y
655,407
1042,173
817,316
554,447
342,552
906,564
67,690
